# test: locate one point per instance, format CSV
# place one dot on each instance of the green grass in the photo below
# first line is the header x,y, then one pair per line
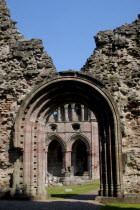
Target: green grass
x,y
93,182
59,192
120,206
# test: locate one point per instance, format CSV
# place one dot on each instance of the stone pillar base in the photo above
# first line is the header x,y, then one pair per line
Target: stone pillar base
x,y
26,198
41,197
131,199
10,194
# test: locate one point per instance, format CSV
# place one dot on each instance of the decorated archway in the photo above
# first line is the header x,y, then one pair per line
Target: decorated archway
x,y
30,129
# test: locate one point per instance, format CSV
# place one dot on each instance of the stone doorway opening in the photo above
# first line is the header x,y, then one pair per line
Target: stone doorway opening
x,y
55,158
79,159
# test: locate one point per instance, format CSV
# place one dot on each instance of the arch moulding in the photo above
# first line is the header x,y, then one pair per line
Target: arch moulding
x,y
75,137
62,88
58,138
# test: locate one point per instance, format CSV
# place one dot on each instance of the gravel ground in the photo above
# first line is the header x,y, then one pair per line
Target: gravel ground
x,y
79,202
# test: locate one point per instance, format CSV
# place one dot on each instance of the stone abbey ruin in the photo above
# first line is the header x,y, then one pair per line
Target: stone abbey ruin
x,y
73,125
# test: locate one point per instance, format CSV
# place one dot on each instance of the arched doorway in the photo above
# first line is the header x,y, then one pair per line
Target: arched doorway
x,y
55,158
30,129
79,159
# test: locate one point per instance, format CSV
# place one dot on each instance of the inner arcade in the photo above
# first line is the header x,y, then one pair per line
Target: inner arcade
x,y
72,147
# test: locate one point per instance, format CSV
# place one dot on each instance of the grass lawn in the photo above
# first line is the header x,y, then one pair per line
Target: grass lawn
x,y
59,192
120,206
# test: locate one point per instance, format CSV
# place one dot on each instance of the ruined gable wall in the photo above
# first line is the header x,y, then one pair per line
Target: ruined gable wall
x,y
116,63
23,64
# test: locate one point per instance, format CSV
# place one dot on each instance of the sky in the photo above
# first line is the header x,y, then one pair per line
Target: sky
x,y
67,27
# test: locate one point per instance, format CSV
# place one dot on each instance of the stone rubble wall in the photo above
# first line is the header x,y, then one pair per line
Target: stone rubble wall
x,y
116,63
23,64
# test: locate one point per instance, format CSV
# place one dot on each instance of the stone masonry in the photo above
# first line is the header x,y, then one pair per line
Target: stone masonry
x,y
115,62
23,63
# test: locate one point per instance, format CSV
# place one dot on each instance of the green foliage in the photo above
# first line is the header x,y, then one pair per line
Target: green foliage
x,y
59,192
120,206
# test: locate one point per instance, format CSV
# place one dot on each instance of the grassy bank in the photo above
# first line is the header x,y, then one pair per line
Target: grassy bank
x,y
120,206
59,192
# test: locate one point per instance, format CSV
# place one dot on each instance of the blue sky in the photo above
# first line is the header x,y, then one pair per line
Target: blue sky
x,y
67,27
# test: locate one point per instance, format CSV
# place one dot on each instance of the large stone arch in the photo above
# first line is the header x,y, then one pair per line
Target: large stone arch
x,y
69,87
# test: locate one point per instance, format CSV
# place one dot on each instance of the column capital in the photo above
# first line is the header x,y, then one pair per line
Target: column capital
x,y
82,112
93,120
66,112
72,106
66,106
58,115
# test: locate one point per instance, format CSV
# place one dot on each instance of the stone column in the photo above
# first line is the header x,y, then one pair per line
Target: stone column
x,y
16,177
73,153
82,112
39,151
108,157
118,189
40,162
89,114
43,160
106,169
58,115
66,113
64,159
46,167
32,189
101,168
26,157
95,149
110,160
103,159
89,159
73,112
67,159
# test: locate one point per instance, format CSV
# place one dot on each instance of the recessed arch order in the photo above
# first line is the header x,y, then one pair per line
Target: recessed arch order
x,y
30,133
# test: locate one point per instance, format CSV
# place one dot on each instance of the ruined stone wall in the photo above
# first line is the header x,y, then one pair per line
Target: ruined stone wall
x,y
23,64
116,63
